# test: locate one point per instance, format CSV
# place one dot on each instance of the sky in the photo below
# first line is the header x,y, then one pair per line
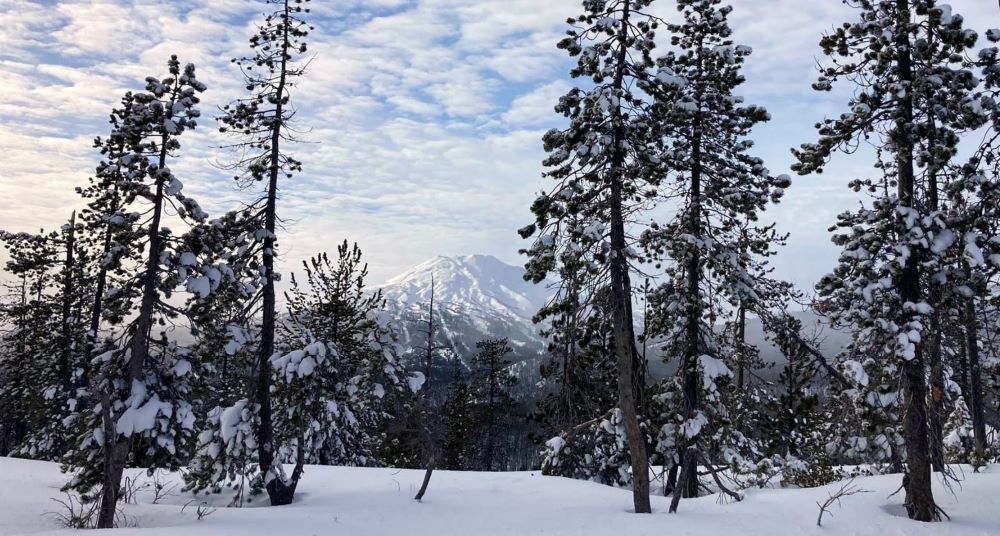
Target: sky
x,y
421,120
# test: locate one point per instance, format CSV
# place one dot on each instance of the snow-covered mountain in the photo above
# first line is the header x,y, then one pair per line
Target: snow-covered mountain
x,y
475,297
478,297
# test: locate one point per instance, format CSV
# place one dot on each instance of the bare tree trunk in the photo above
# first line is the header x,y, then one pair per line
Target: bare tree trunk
x,y
65,356
430,451
431,462
689,472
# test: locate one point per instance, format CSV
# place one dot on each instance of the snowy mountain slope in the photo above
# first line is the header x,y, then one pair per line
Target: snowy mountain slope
x,y
479,296
344,501
475,284
475,297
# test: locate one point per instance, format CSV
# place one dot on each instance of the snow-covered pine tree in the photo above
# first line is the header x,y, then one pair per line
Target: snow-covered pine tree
x,y
350,388
141,385
604,164
34,387
55,267
913,98
980,191
334,373
72,290
224,322
106,227
225,328
262,123
713,251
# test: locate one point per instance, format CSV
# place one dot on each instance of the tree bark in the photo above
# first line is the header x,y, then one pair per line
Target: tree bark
x,y
621,293
741,340
934,358
278,491
138,351
976,382
65,358
917,482
430,453
688,484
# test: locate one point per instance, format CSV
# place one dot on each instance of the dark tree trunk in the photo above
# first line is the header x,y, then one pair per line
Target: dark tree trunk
x,y
621,294
65,357
963,369
138,351
936,411
741,339
934,359
430,452
917,482
491,416
278,491
97,309
689,469
671,482
976,382
688,485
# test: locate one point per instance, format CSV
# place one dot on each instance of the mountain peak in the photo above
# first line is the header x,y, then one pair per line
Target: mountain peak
x,y
468,282
476,297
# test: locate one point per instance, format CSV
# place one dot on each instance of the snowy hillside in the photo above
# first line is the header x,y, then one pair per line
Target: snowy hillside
x,y
475,297
338,501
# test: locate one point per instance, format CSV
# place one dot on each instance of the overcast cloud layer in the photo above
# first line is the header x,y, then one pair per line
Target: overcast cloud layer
x,y
422,118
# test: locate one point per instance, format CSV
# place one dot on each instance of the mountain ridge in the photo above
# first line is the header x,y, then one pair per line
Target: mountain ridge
x,y
479,296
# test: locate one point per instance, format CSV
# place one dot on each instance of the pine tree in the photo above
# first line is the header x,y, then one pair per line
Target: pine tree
x,y
459,423
223,323
580,368
981,214
35,385
141,390
604,165
714,251
262,121
915,96
492,382
346,411
106,227
796,425
428,431
49,334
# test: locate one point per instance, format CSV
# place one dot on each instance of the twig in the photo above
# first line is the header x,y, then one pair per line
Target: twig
x,y
846,490
723,490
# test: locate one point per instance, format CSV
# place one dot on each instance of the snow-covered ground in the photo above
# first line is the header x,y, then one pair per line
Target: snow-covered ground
x,y
378,502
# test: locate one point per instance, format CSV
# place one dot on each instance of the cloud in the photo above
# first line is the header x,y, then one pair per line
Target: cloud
x,y
421,119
